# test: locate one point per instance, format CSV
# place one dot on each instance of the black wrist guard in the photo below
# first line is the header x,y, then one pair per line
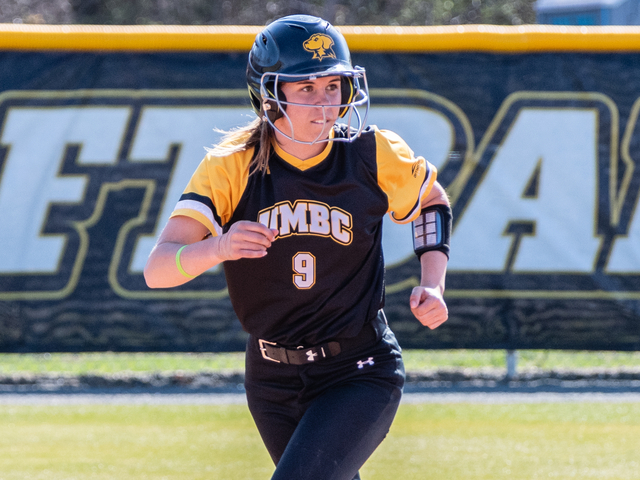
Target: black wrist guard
x,y
432,229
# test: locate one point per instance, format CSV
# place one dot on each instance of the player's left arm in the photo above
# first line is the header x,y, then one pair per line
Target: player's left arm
x,y
427,301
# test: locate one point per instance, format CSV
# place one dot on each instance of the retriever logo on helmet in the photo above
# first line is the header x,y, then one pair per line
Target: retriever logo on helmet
x,y
320,44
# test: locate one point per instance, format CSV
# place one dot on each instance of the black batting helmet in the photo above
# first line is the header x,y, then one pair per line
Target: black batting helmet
x,y
300,47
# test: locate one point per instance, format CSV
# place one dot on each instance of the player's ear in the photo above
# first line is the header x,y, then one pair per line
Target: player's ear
x,y
271,107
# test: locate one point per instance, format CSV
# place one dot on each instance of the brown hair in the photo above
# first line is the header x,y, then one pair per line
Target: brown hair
x,y
256,134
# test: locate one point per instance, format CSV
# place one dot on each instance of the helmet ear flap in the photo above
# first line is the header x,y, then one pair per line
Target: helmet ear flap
x,y
348,91
271,108
255,102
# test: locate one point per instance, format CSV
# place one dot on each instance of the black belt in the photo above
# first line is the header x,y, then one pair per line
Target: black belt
x,y
304,355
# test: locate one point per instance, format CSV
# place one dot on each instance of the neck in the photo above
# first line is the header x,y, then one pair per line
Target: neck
x,y
301,151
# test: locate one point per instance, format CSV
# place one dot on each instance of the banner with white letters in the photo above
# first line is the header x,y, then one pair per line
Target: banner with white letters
x,y
538,153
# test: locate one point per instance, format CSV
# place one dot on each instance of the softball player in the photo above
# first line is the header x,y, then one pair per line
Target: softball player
x,y
293,205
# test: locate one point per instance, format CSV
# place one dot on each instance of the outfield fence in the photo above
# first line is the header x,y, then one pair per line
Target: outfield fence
x,y
533,129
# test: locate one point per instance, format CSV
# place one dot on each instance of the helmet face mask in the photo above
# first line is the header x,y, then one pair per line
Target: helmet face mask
x,y
297,48
274,103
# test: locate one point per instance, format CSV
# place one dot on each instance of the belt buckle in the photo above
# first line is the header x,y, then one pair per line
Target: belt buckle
x,y
263,350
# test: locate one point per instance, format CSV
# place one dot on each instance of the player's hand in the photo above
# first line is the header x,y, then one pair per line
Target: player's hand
x,y
428,306
245,240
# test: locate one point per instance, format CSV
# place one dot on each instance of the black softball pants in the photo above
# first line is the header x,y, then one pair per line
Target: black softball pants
x,y
322,421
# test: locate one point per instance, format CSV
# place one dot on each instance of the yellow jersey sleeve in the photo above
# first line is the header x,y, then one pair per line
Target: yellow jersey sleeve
x,y
404,178
215,188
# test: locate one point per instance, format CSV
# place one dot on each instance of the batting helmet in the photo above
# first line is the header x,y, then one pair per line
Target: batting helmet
x,y
301,47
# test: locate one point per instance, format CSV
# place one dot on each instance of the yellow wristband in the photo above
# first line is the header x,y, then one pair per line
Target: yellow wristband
x,y
179,265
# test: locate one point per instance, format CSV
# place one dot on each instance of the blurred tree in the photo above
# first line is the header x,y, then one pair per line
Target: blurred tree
x,y
259,12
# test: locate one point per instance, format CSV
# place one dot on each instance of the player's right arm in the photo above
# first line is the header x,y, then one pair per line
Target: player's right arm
x,y
196,224
201,252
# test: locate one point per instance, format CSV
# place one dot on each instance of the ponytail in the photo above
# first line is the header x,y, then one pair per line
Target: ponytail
x,y
258,134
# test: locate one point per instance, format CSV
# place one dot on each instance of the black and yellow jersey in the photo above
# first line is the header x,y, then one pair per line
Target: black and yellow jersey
x,y
323,276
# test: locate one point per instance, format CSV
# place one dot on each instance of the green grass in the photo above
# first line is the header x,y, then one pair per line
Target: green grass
x,y
516,441
129,442
108,363
542,359
430,441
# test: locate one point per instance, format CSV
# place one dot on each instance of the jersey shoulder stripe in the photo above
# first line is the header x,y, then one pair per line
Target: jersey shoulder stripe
x,y
193,205
405,178
215,189
426,187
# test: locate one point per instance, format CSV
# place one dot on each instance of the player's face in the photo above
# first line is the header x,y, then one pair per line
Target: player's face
x,y
314,120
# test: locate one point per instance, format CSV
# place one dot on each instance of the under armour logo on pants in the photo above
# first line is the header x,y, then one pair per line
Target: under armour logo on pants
x,y
362,363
